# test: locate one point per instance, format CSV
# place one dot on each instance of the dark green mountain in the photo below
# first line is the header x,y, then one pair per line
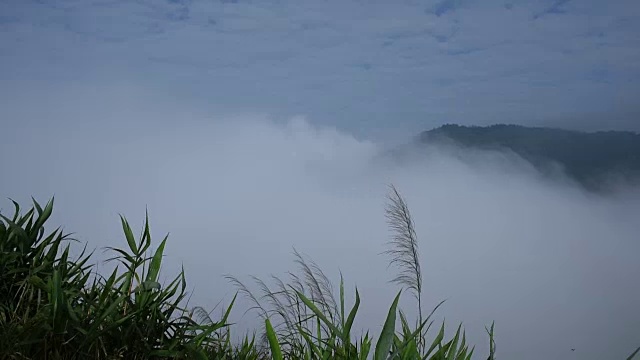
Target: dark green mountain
x,y
593,159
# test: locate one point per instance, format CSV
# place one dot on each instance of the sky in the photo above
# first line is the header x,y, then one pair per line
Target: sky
x,y
248,128
374,68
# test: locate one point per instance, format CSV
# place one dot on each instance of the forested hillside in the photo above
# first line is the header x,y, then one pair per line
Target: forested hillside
x,y
592,159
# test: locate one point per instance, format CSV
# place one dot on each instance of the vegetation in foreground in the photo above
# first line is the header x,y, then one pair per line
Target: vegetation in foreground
x,y
55,306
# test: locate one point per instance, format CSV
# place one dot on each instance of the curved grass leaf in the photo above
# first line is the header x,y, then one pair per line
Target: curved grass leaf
x,y
386,336
276,353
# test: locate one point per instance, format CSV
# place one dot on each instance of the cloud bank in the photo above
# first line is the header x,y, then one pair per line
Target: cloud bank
x,y
363,66
552,265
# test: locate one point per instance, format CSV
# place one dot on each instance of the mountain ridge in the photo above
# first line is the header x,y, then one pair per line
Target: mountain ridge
x,y
590,158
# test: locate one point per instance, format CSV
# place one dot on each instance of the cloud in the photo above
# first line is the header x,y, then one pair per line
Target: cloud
x,y
484,62
443,7
549,263
557,7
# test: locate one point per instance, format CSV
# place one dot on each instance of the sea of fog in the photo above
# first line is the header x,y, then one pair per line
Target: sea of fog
x,y
555,267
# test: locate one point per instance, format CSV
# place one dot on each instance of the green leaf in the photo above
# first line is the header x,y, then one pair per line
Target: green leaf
x,y
454,344
111,310
342,300
37,282
16,212
43,214
470,354
350,319
386,336
148,285
411,337
307,337
38,207
365,347
154,266
57,300
276,354
492,343
437,341
318,313
129,235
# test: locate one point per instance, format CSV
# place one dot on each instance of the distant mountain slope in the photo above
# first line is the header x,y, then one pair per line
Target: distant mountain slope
x,y
590,158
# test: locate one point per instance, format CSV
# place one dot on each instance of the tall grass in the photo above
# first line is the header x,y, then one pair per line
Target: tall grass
x,y
56,306
404,249
309,320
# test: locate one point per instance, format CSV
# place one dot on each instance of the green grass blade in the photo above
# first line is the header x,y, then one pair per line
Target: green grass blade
x,y
386,336
492,343
318,313
454,344
342,319
43,215
156,261
129,235
437,341
276,353
351,318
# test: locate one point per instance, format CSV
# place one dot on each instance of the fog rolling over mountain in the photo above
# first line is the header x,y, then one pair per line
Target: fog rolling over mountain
x,y
552,264
599,161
